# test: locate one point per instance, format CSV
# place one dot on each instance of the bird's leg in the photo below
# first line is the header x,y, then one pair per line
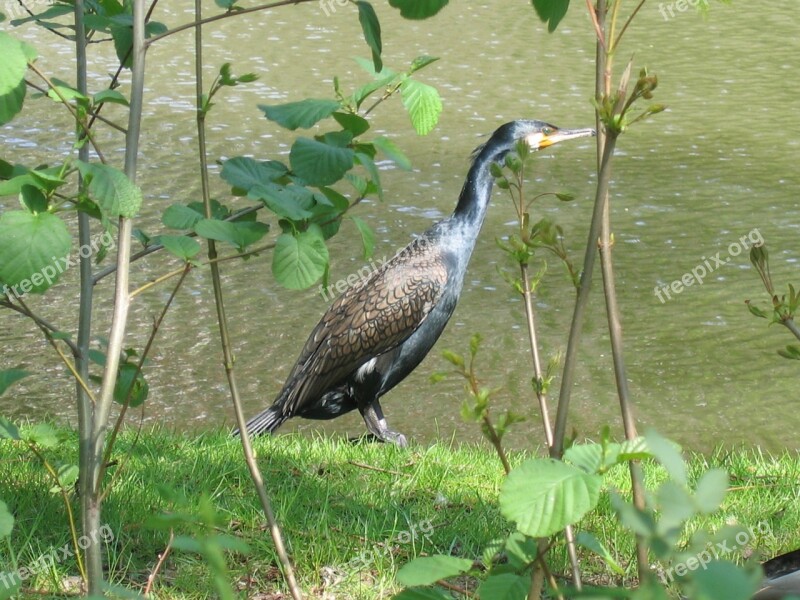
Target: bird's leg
x,y
376,424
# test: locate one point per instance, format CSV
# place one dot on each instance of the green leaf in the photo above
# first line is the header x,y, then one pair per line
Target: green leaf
x,y
109,96
418,9
634,519
290,201
42,435
723,580
241,234
33,199
506,586
66,91
67,476
300,260
675,507
372,31
367,236
8,377
394,153
551,12
127,379
792,352
6,520
423,105
8,431
453,358
711,490
179,216
421,62
372,169
428,570
122,33
668,454
180,245
544,495
243,172
521,550
31,250
305,113
355,124
111,189
589,541
12,77
319,163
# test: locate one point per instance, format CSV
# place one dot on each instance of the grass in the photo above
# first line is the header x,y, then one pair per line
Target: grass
x,y
352,513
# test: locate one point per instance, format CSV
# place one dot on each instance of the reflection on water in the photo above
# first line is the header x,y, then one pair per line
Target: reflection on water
x,y
688,183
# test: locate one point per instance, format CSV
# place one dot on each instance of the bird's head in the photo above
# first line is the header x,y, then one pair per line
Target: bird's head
x,y
537,134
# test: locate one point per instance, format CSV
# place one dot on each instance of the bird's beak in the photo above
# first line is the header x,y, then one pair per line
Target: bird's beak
x,y
560,135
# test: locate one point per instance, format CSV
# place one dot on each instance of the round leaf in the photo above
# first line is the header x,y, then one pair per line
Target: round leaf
x,y
12,77
418,9
506,586
423,105
300,260
542,496
318,163
430,569
305,113
6,520
32,249
180,245
114,193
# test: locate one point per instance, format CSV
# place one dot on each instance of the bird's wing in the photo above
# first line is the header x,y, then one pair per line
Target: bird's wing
x,y
366,321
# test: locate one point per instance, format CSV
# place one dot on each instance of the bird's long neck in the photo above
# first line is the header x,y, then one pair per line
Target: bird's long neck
x,y
475,195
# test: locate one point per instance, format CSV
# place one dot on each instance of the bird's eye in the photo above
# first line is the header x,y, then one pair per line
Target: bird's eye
x,y
547,130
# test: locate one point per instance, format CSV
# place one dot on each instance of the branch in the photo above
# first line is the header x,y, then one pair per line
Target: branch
x,y
225,15
64,101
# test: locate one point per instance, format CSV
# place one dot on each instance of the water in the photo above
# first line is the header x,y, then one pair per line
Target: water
x,y
719,164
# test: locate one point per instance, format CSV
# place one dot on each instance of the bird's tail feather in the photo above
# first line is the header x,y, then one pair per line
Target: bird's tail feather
x,y
267,421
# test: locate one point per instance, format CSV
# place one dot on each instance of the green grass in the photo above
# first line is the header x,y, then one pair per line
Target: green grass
x,y
352,514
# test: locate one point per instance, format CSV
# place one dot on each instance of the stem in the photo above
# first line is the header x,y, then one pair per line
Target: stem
x,y
571,356
792,326
227,352
81,352
156,326
121,302
65,497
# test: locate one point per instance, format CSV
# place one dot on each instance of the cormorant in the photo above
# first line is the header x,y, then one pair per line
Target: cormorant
x,y
378,331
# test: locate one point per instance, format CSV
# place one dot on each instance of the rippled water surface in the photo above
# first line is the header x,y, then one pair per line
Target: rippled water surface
x,y
721,163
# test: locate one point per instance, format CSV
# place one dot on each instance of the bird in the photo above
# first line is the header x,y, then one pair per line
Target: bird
x,y
378,331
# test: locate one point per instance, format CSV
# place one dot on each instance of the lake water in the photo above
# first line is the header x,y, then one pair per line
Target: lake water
x,y
719,164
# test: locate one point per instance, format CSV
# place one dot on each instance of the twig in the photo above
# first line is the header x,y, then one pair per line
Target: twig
x,y
378,469
222,320
65,102
225,15
156,247
161,558
145,353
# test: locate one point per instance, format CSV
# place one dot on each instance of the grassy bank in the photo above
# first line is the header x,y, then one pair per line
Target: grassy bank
x,y
352,513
